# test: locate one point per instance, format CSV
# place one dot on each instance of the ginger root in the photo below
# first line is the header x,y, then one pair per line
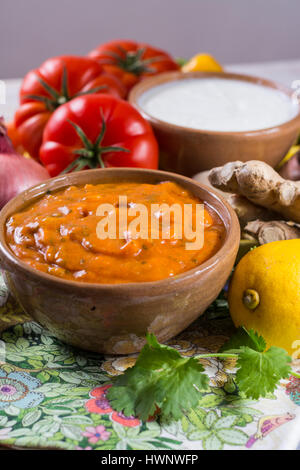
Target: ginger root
x,y
245,210
260,184
202,178
275,230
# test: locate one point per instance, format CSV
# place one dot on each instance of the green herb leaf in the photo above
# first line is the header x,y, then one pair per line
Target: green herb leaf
x,y
161,378
242,338
259,372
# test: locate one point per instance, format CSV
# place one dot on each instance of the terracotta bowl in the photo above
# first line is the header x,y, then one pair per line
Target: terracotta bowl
x,y
114,318
189,151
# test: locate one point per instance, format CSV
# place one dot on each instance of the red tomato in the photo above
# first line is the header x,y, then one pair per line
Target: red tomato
x,y
13,134
55,82
95,131
131,61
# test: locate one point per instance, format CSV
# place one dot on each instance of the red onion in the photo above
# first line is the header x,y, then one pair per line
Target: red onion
x,y
16,172
291,169
5,143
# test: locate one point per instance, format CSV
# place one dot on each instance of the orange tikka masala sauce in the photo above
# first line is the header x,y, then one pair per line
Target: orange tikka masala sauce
x,y
57,235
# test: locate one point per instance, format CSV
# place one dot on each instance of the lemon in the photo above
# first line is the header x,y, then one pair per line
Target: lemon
x,y
264,294
202,63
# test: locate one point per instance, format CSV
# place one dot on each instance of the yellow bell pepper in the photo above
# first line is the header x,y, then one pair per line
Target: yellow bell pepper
x,y
202,63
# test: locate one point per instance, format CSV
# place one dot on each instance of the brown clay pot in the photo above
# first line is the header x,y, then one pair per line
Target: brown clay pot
x,y
114,319
189,151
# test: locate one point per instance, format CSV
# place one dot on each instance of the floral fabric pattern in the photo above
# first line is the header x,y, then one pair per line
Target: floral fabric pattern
x,y
16,388
293,389
54,396
96,434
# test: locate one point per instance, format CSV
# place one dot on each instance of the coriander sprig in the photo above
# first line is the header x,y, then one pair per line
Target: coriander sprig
x,y
163,380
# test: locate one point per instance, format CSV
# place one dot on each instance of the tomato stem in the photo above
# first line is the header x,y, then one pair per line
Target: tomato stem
x,y
90,155
56,99
132,61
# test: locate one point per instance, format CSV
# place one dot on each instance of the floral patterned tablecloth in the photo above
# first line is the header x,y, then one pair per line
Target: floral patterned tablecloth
x,y
54,396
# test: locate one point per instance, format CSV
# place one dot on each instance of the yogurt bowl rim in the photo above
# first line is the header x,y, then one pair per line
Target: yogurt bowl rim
x,y
155,81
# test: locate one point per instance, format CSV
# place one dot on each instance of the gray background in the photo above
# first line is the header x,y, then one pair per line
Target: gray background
x,y
233,30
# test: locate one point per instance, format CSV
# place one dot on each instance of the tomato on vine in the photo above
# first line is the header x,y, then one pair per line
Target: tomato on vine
x,y
94,131
54,83
131,61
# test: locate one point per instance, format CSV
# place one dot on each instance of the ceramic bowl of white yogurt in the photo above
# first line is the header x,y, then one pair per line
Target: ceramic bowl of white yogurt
x,y
203,120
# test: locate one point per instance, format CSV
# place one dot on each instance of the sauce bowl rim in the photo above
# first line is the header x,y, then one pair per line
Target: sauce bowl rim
x,y
19,202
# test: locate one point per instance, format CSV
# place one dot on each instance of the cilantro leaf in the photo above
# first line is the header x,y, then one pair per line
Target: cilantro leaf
x,y
259,372
163,379
160,378
242,338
